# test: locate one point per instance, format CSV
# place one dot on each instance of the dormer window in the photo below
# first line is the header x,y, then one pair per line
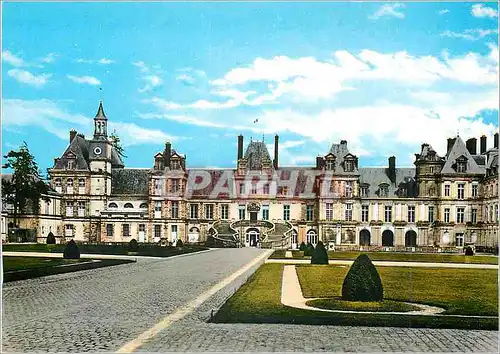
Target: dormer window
x,y
330,164
349,166
71,165
112,205
383,190
461,164
403,192
364,191
175,164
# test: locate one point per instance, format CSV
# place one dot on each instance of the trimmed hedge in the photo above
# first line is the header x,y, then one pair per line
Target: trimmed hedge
x,y
133,246
302,246
71,251
309,250
469,251
179,243
362,282
319,255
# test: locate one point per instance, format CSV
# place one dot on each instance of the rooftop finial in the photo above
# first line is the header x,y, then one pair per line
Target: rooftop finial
x,y
100,111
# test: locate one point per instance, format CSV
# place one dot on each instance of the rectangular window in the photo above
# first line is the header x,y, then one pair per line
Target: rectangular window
x,y
158,231
431,214
459,240
142,227
286,212
309,212
460,215
81,209
81,186
364,191
126,230
175,164
224,211
68,230
330,165
411,213
364,213
157,209
474,190
109,230
254,188
348,212
175,210
157,184
384,191
242,188
209,211
241,213
446,190
175,186
461,190
446,215
348,189
69,208
388,213
193,211
69,186
47,207
329,211
473,216
265,212
266,188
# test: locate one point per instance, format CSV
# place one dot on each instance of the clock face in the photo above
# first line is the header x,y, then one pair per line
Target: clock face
x,y
97,150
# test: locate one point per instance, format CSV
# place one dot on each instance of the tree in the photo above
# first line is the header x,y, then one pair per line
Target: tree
x,y
26,187
362,282
115,141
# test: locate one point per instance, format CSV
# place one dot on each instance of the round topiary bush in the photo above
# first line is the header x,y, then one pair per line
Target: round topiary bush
x,y
133,246
319,255
309,250
302,246
179,243
71,250
362,282
469,251
51,239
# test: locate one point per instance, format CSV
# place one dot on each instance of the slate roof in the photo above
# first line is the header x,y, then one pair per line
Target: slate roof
x,y
256,153
130,181
459,149
428,153
340,151
80,148
100,112
375,176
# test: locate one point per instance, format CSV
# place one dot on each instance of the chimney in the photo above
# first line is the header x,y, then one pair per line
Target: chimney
x,y
72,134
483,144
240,147
56,160
392,169
471,145
167,153
275,161
495,140
451,141
343,142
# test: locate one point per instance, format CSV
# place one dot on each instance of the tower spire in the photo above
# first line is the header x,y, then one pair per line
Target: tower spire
x,y
100,123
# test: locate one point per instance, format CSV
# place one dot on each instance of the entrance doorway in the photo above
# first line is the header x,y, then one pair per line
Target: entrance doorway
x,y
387,238
410,238
364,238
142,232
253,215
252,237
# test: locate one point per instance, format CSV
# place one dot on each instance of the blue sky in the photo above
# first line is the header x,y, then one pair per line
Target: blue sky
x,y
384,76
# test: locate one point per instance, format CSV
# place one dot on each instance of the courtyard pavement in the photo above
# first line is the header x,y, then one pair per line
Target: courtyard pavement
x,y
104,309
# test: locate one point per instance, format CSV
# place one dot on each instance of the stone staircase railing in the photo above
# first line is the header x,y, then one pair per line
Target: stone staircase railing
x,y
225,239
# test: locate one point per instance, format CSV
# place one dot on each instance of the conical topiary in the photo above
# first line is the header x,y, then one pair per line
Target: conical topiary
x,y
133,246
51,239
362,282
179,243
309,250
319,255
302,246
71,250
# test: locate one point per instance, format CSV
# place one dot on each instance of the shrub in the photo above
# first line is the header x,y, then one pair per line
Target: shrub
x,y
179,243
362,282
469,251
133,246
71,250
319,255
51,239
309,250
302,246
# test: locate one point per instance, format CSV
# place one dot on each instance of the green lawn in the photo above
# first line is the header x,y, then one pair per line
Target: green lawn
x,y
20,263
118,249
258,301
399,256
336,303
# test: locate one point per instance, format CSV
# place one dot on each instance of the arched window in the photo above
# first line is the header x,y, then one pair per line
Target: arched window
x,y
128,205
143,205
81,182
112,205
58,182
194,230
69,182
312,237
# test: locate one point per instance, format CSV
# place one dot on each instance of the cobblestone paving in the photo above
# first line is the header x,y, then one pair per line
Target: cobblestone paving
x,y
101,310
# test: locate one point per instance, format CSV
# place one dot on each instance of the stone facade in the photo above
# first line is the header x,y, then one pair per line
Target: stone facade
x,y
445,201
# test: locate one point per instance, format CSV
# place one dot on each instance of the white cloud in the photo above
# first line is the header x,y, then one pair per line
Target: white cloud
x,y
105,61
12,59
388,10
470,34
26,77
185,79
90,80
49,58
443,11
141,65
84,61
479,10
132,134
152,81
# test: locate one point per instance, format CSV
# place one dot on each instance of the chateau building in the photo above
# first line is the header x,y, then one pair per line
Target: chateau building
x,y
443,202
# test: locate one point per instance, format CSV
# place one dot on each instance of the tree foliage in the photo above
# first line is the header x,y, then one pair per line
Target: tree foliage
x,y
362,282
116,142
309,249
319,255
26,187
71,251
